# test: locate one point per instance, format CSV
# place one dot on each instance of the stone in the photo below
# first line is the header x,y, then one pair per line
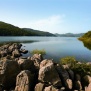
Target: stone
x,y
88,88
49,75
37,58
26,64
78,85
8,72
4,53
23,51
39,87
51,88
87,79
16,53
25,81
66,66
66,81
45,62
71,74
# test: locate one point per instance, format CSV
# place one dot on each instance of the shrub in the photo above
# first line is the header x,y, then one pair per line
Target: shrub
x,y
81,68
37,51
71,61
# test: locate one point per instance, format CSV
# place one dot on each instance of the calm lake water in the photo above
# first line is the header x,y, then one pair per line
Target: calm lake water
x,y
56,47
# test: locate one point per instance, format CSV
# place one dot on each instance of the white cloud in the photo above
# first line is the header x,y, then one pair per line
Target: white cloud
x,y
50,24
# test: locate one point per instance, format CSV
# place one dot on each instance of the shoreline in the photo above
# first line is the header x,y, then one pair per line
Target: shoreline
x,y
34,73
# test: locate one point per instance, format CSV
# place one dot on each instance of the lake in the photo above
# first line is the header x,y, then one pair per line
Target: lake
x,y
55,47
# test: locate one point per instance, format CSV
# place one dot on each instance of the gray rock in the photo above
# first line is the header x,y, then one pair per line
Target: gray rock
x,y
45,62
37,58
16,53
87,79
71,74
51,88
23,51
39,87
88,88
49,75
25,81
66,81
3,53
78,85
26,64
8,72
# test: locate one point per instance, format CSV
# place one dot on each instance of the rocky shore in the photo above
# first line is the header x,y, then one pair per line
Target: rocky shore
x,y
35,73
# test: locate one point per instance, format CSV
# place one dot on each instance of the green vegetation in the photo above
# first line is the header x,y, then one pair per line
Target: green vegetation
x,y
38,33
86,37
71,61
36,51
10,30
80,68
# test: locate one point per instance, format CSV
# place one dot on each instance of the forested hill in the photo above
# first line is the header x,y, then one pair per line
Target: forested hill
x,y
86,37
38,33
11,30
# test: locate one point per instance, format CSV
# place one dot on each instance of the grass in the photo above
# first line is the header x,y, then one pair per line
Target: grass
x,y
37,51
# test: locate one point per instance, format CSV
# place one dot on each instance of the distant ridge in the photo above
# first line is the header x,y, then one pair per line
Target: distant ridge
x,y
69,35
11,30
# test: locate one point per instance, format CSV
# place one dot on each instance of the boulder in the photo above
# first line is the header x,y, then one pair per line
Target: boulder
x,y
62,89
45,62
51,88
16,53
23,51
87,80
37,58
17,45
26,64
88,88
5,46
66,81
3,53
78,85
10,49
49,75
39,87
8,72
71,74
66,66
24,81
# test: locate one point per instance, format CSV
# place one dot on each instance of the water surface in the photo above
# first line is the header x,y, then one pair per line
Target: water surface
x,y
56,47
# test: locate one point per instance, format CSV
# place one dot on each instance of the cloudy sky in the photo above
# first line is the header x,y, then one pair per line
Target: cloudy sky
x,y
55,16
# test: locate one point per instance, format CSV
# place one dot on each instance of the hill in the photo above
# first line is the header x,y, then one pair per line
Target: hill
x,y
38,33
11,30
69,35
86,37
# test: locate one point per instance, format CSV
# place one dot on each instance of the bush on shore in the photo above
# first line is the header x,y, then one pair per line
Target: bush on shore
x,y
37,51
80,68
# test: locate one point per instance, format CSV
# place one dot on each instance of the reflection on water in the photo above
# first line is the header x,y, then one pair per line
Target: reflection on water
x,y
87,45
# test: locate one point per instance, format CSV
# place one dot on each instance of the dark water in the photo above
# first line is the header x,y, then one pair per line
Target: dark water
x,y
56,47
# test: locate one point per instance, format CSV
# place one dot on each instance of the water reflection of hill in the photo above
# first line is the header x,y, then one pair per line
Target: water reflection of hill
x,y
87,45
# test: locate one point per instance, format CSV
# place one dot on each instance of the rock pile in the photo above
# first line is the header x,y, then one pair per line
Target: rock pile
x,y
35,73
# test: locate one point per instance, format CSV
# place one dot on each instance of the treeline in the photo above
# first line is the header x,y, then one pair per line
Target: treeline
x,y
11,30
38,33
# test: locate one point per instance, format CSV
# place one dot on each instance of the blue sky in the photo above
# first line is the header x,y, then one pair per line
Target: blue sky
x,y
55,16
